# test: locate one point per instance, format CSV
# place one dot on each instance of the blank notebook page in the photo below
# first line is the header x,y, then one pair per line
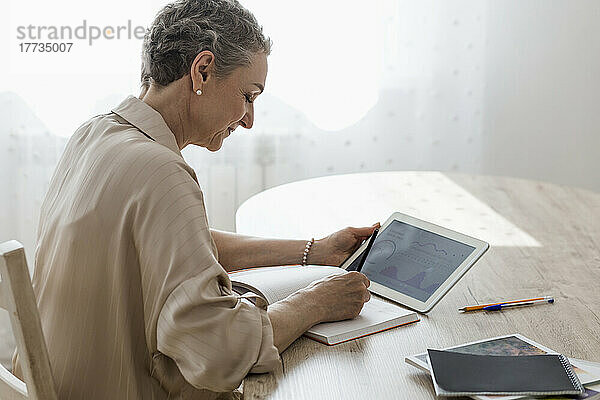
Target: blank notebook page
x,y
276,283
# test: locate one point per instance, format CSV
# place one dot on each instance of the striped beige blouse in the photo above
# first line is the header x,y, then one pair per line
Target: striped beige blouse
x,y
133,301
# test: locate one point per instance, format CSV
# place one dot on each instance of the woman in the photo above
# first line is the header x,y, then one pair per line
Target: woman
x,y
131,283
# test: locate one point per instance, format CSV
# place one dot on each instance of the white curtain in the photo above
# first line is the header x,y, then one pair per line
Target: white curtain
x,y
395,86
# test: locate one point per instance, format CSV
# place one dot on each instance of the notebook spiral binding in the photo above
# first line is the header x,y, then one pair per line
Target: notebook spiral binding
x,y
570,373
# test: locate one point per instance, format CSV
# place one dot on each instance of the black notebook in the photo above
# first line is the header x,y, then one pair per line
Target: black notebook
x,y
459,374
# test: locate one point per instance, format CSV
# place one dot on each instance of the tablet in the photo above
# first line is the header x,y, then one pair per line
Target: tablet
x,y
414,262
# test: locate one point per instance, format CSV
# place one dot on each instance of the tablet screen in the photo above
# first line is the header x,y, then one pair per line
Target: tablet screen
x,y
412,260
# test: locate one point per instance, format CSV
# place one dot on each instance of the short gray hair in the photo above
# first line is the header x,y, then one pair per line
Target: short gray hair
x,y
184,28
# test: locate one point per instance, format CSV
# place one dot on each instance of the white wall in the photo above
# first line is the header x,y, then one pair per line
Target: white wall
x,y
542,94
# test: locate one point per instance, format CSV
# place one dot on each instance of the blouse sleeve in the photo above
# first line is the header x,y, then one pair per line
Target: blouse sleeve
x,y
214,336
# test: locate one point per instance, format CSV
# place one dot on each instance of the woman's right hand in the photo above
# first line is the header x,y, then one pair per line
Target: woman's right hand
x,y
333,298
338,297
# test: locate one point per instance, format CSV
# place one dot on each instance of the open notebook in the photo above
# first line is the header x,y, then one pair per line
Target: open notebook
x,y
276,283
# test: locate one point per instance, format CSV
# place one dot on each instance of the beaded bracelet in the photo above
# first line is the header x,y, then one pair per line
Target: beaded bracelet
x,y
306,250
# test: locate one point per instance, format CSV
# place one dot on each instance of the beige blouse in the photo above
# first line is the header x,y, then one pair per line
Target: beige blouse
x,y
133,301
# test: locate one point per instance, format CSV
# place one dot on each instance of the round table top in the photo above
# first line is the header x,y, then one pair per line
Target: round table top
x,y
544,238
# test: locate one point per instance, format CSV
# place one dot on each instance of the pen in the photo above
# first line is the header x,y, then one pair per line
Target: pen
x,y
497,307
367,250
482,306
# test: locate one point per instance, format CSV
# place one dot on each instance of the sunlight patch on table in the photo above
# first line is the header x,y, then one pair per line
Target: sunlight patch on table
x,y
309,208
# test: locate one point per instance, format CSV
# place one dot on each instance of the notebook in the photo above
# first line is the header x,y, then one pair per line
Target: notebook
x,y
516,344
276,283
460,374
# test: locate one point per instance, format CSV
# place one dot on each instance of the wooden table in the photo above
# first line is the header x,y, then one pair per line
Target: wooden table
x,y
545,240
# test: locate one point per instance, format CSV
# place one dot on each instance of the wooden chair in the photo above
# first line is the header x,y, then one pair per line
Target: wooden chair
x,y
16,296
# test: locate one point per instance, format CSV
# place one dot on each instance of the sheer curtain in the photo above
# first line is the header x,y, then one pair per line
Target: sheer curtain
x,y
465,85
395,86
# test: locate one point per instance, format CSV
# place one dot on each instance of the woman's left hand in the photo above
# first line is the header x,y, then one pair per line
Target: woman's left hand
x,y
337,247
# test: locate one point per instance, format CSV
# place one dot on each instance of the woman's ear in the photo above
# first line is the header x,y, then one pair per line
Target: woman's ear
x,y
202,69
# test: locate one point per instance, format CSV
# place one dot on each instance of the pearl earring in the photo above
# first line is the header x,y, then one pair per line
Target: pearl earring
x,y
198,92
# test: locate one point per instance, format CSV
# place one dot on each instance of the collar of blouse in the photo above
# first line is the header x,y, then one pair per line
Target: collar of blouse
x,y
147,120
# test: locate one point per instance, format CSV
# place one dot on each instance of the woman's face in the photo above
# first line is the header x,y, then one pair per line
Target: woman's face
x,y
226,103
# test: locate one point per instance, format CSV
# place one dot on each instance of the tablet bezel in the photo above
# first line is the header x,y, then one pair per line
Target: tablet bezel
x,y
410,302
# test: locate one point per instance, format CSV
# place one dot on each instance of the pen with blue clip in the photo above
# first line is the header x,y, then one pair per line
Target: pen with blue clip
x,y
478,307
367,250
498,307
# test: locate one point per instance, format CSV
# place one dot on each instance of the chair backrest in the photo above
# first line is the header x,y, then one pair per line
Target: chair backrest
x,y
17,297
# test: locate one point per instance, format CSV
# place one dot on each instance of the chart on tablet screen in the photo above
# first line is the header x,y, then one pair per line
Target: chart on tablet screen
x,y
412,260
